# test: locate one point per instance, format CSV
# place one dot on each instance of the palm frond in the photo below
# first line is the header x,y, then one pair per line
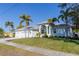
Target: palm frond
x,y
26,19
56,19
67,10
63,5
60,16
62,11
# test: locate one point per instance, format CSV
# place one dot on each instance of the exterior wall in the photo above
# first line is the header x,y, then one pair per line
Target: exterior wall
x,y
56,31
25,34
19,34
61,32
70,32
42,30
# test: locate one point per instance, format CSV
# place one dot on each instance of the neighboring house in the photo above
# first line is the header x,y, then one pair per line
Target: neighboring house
x,y
54,30
8,34
26,33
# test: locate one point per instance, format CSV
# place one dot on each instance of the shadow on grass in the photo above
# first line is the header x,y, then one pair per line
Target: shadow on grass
x,y
74,40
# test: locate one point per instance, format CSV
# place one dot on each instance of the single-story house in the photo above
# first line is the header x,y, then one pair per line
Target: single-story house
x,y
55,30
45,28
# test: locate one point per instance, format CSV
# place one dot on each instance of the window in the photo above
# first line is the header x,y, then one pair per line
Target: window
x,y
54,30
43,29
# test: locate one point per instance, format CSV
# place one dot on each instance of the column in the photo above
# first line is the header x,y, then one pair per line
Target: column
x,y
40,28
50,31
71,32
47,29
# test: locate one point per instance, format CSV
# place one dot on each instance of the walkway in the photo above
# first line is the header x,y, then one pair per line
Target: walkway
x,y
42,51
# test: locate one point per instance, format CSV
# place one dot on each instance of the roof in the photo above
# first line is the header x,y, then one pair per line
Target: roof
x,y
55,25
29,28
45,22
61,25
35,28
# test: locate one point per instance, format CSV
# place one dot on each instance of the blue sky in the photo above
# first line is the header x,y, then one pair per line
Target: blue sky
x,y
38,12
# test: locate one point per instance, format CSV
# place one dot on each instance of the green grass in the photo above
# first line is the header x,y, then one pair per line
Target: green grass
x,y
75,30
50,43
6,50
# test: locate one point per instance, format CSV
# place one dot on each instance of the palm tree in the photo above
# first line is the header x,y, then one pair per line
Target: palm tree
x,y
11,26
64,16
20,26
74,13
52,20
26,19
75,18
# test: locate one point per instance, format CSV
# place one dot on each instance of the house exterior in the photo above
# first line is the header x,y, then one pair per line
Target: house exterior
x,y
26,33
55,30
45,29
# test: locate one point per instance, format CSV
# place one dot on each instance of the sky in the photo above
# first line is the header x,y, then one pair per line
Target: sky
x,y
39,12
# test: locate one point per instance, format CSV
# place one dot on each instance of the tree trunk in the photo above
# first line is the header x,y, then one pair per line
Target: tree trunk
x,y
27,30
66,30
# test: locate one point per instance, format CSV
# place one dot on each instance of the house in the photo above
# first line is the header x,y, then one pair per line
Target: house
x,y
55,30
47,29
8,34
26,33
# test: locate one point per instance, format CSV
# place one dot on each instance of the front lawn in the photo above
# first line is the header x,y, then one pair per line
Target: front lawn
x,y
6,50
50,43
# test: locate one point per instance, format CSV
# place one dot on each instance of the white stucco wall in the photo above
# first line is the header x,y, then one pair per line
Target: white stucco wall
x,y
19,34
23,34
61,32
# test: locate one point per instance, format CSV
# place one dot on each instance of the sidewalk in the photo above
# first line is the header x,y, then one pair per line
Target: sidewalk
x,y
42,51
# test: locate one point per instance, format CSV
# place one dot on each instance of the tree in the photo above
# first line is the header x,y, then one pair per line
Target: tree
x,y
26,19
74,13
75,18
1,33
10,24
20,26
52,20
64,16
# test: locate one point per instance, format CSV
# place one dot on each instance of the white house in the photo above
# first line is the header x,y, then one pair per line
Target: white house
x,y
45,29
26,33
55,30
